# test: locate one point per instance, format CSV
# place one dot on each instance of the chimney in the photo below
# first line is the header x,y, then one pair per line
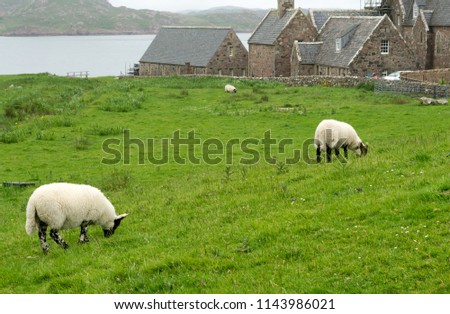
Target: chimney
x,y
284,5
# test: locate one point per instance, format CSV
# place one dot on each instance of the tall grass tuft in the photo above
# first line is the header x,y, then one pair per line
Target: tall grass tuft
x,y
97,129
81,142
117,180
123,103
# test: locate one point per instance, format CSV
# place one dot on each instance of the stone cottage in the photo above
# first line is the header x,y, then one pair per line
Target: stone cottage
x,y
425,25
195,50
270,45
353,45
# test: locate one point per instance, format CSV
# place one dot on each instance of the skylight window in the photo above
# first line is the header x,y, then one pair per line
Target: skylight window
x,y
338,45
415,10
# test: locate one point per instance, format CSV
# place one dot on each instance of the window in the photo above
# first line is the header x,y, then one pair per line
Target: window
x,y
438,45
384,47
230,51
338,45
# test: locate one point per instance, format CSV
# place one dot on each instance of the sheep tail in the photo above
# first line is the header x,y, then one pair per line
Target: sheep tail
x,y
31,225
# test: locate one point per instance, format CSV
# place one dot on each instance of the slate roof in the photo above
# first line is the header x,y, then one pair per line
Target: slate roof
x,y
441,15
438,11
307,52
271,27
336,27
179,45
319,17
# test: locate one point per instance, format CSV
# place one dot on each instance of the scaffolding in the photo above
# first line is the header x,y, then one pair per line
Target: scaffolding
x,y
372,4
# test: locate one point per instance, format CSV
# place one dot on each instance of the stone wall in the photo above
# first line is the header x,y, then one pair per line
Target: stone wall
x,y
158,69
332,71
298,69
412,89
380,85
313,80
261,60
431,76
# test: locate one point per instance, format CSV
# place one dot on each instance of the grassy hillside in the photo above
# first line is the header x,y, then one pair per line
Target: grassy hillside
x,y
79,17
378,224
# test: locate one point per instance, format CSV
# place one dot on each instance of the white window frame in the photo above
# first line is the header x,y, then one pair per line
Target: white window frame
x,y
385,47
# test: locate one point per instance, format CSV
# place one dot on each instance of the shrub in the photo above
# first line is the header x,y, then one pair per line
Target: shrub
x,y
368,86
45,136
116,180
21,108
11,137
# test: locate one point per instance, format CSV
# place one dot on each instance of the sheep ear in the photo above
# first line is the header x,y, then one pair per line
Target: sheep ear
x,y
120,217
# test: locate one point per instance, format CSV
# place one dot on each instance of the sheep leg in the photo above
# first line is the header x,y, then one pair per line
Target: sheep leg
x,y
346,151
318,154
43,237
57,238
339,157
328,154
83,234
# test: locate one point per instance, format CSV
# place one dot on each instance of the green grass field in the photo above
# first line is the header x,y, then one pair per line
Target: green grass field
x,y
378,224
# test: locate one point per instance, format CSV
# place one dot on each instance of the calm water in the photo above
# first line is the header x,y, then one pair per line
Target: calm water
x,y
100,55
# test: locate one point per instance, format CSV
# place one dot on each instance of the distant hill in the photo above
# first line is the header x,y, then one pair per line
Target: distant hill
x,y
94,17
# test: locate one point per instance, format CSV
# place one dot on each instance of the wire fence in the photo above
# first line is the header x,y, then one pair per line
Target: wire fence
x,y
411,88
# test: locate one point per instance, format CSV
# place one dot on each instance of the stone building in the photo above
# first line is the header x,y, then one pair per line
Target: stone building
x,y
270,45
354,45
416,35
195,50
425,25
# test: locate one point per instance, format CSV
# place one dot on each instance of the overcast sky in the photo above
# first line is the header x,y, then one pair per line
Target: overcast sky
x,y
182,5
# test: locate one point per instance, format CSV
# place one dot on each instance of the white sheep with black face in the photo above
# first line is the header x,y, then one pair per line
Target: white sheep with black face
x,y
333,134
63,206
230,89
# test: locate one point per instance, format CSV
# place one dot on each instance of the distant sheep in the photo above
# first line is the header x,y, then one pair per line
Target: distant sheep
x,y
64,206
332,134
230,89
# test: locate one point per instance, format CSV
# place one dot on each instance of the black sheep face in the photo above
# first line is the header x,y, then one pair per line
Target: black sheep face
x,y
110,232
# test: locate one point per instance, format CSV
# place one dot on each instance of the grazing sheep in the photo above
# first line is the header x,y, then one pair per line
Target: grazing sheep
x,y
64,206
332,134
230,89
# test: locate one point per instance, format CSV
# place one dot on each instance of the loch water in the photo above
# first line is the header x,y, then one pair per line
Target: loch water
x,y
60,55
